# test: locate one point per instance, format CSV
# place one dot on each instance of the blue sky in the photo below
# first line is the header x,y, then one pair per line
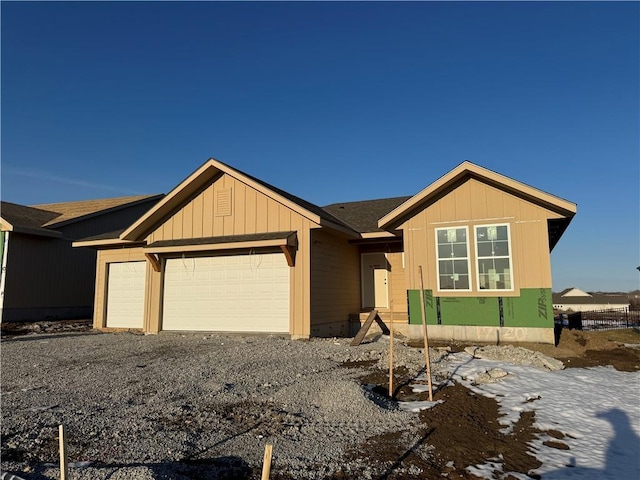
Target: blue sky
x,y
332,102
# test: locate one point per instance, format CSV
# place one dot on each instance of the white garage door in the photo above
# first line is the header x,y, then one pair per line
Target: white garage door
x,y
239,293
125,294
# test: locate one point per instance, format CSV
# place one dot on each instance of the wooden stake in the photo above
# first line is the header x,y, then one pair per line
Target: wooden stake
x,y
390,337
266,463
424,333
391,359
64,473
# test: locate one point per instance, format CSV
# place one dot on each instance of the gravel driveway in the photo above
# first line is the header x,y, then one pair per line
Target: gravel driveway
x,y
187,406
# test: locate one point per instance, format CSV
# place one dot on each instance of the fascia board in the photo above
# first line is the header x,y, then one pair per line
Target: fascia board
x,y
109,242
547,200
384,234
218,246
169,202
421,196
6,226
41,232
206,171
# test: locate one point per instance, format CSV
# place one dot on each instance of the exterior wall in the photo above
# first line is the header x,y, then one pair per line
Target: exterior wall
x,y
398,286
251,212
476,203
103,259
107,222
532,309
478,333
46,278
397,280
589,307
335,284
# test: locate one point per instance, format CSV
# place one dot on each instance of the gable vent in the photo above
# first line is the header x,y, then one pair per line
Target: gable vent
x,y
223,202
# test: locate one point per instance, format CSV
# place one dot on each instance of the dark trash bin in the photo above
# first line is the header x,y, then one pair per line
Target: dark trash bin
x,y
575,321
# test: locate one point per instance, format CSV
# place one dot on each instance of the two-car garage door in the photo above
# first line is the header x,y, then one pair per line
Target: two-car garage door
x,y
235,293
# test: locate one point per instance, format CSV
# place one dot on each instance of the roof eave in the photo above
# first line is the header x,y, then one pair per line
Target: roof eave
x,y
197,180
340,228
468,169
105,242
41,232
104,211
383,234
6,226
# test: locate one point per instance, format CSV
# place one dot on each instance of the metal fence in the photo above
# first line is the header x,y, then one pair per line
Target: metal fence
x,y
609,319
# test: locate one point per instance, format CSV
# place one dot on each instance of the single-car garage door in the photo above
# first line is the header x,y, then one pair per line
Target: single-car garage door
x,y
125,294
237,293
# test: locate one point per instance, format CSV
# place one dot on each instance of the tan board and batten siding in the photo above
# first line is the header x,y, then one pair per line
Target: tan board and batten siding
x,y
398,286
397,280
245,210
471,203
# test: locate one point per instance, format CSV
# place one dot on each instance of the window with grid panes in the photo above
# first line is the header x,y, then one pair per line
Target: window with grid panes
x,y
493,257
453,259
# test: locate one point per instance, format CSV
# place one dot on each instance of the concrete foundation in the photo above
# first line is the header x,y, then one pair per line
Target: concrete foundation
x,y
480,334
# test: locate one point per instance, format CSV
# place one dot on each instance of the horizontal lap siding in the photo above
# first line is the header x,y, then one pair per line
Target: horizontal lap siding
x,y
335,284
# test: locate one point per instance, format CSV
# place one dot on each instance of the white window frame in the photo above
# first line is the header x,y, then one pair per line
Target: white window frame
x,y
478,258
468,259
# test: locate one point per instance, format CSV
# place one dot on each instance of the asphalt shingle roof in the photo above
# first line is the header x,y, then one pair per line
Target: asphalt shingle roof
x,y
72,210
363,216
26,217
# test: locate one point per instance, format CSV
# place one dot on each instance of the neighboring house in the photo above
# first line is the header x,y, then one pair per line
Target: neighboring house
x,y
43,276
575,300
225,251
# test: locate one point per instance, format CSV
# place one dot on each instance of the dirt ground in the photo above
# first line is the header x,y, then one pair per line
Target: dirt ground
x,y
464,430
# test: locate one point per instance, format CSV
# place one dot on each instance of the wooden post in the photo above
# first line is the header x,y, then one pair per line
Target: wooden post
x,y
266,463
64,473
390,290
424,333
357,340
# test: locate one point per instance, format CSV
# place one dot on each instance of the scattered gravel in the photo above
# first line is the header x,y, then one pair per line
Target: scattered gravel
x,y
174,406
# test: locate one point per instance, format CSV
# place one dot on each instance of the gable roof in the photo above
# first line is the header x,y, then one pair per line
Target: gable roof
x,y
574,292
42,219
74,211
208,172
363,216
21,218
468,170
595,299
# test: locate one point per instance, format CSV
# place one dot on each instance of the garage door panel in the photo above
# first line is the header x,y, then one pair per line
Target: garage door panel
x,y
239,293
125,294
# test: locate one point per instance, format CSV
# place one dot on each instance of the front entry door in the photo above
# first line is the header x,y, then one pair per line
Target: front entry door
x,y
375,279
